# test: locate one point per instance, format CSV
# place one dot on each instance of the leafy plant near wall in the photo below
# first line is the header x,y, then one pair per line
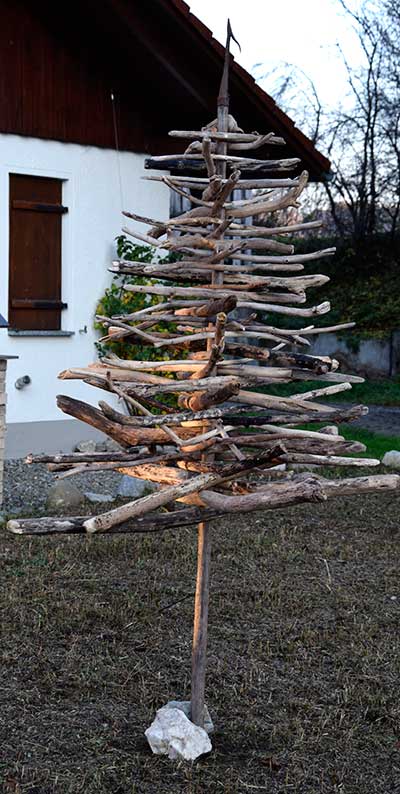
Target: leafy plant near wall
x,y
117,301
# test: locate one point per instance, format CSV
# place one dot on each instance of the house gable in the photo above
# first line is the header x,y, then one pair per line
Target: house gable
x,y
57,72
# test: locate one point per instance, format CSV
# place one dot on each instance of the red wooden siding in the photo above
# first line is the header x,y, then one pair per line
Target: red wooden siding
x,y
35,253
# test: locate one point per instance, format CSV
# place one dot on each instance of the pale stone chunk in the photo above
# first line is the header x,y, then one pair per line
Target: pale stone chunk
x,y
392,459
184,705
174,735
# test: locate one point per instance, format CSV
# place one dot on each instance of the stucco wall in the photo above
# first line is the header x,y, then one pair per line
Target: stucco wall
x,y
92,193
371,358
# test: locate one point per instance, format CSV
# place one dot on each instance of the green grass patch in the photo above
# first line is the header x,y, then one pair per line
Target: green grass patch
x,y
376,443
372,392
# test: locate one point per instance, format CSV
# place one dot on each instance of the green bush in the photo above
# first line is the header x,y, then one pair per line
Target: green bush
x,y
117,301
364,287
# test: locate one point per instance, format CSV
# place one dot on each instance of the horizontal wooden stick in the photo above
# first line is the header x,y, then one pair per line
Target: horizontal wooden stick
x,y
244,163
293,374
285,260
51,525
123,434
198,183
329,390
272,497
155,421
321,308
328,460
195,484
278,403
228,137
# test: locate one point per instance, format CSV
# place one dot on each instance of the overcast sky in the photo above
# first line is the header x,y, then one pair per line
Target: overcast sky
x,y
302,32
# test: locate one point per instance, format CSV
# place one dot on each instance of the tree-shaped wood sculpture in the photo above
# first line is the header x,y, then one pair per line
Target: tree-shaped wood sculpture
x,y
223,428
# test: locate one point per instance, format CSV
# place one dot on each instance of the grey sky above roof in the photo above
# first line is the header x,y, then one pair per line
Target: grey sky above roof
x,y
304,34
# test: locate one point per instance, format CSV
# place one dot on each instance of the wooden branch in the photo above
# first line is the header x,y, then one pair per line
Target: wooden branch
x,y
278,403
321,308
80,457
202,400
210,309
148,503
377,483
273,204
224,193
228,137
155,473
282,375
268,231
184,161
250,351
159,522
329,390
216,350
182,518
284,260
206,152
125,435
271,497
318,364
329,460
337,415
198,183
156,420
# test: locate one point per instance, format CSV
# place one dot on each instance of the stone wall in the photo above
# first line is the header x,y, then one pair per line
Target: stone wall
x,y
3,367
372,358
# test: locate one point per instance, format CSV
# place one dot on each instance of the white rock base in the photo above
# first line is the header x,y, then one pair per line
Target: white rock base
x,y
184,705
173,734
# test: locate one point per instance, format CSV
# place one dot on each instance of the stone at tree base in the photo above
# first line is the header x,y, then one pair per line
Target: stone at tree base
x,y
392,459
86,446
171,733
132,487
64,495
184,705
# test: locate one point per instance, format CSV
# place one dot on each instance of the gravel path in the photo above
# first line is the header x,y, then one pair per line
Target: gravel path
x,y
381,419
26,486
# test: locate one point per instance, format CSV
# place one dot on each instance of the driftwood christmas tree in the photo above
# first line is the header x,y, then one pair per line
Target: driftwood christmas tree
x,y
223,429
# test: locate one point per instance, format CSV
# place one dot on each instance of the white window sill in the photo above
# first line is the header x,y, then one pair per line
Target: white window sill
x,y
15,332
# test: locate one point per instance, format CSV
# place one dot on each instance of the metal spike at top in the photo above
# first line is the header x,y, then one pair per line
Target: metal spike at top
x,y
223,96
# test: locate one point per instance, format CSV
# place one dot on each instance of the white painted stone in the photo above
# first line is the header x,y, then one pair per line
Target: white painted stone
x,y
392,459
171,733
184,705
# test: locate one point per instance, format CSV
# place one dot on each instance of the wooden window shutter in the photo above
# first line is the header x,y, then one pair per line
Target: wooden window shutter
x,y
35,253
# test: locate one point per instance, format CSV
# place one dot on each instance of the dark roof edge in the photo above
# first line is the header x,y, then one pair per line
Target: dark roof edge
x,y
261,98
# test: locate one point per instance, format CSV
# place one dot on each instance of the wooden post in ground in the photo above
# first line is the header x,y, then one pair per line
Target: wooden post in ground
x,y
199,652
200,626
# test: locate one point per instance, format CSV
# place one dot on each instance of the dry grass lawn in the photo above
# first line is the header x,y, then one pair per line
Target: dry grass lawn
x,y
304,656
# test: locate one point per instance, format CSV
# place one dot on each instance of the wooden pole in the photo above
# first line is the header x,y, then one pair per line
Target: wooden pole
x,y
199,648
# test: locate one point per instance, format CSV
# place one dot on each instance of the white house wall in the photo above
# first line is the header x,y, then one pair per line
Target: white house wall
x,y
92,193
